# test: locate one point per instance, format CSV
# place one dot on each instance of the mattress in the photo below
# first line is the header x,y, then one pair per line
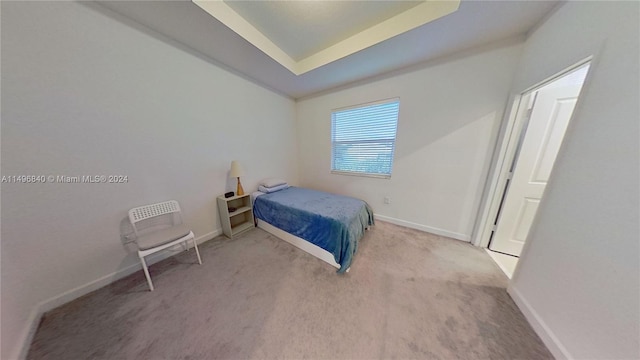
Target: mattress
x,y
333,222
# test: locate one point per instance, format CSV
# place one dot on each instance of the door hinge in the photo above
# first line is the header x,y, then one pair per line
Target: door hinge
x,y
509,175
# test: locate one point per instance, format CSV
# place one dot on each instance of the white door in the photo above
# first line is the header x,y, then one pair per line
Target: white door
x,y
549,119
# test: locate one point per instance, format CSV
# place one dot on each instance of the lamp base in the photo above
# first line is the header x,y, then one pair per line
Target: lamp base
x,y
239,190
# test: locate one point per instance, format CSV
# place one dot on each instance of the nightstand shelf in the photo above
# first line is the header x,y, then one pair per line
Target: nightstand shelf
x,y
235,222
240,210
235,230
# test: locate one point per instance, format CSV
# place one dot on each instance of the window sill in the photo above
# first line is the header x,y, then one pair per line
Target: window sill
x,y
350,173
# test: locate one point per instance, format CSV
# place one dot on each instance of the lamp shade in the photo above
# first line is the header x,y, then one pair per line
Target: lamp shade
x,y
236,169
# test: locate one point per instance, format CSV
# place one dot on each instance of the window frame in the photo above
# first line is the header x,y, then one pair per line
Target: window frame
x,y
393,150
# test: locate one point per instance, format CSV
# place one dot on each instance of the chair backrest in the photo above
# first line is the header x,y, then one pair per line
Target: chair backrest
x,y
146,212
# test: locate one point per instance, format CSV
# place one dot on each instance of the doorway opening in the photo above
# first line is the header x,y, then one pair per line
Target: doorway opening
x,y
538,123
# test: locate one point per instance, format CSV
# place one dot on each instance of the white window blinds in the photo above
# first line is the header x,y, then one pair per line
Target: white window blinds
x,y
363,138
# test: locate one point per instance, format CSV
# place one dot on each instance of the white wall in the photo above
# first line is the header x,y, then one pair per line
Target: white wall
x,y
578,279
84,95
449,116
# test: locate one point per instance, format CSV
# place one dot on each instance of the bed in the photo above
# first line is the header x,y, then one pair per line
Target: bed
x,y
325,225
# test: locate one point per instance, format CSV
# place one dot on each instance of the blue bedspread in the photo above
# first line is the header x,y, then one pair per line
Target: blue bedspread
x,y
333,222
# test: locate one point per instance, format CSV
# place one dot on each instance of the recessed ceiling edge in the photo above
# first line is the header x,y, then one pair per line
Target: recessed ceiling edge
x,y
403,22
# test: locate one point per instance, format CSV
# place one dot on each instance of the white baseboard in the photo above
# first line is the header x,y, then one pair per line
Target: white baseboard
x,y
42,307
502,262
539,326
424,228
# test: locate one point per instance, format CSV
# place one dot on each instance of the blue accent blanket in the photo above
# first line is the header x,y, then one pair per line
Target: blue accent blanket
x,y
333,222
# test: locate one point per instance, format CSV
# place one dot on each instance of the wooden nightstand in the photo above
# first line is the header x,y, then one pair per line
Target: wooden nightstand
x,y
236,222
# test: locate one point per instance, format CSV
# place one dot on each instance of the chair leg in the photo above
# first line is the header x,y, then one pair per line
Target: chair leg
x,y
195,245
146,272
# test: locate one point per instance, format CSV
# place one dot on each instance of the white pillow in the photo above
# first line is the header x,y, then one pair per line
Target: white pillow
x,y
272,189
272,182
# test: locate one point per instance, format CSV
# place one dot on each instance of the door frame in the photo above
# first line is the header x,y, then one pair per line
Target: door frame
x,y
505,154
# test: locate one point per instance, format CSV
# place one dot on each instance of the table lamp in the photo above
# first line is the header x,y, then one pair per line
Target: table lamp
x,y
236,172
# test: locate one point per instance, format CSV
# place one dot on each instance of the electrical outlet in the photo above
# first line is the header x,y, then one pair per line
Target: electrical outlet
x,y
387,200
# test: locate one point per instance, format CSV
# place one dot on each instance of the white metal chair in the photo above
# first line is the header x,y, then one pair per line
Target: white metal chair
x,y
158,227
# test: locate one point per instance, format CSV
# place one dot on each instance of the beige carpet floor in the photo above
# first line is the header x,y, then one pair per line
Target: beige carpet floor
x,y
409,295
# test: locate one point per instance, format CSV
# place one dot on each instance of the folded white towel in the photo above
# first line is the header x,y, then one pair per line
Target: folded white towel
x,y
272,182
272,189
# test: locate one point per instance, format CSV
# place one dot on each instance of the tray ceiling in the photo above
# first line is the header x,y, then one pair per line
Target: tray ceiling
x,y
303,28
184,24
305,35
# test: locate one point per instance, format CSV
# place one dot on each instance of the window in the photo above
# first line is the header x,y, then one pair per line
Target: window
x,y
363,138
